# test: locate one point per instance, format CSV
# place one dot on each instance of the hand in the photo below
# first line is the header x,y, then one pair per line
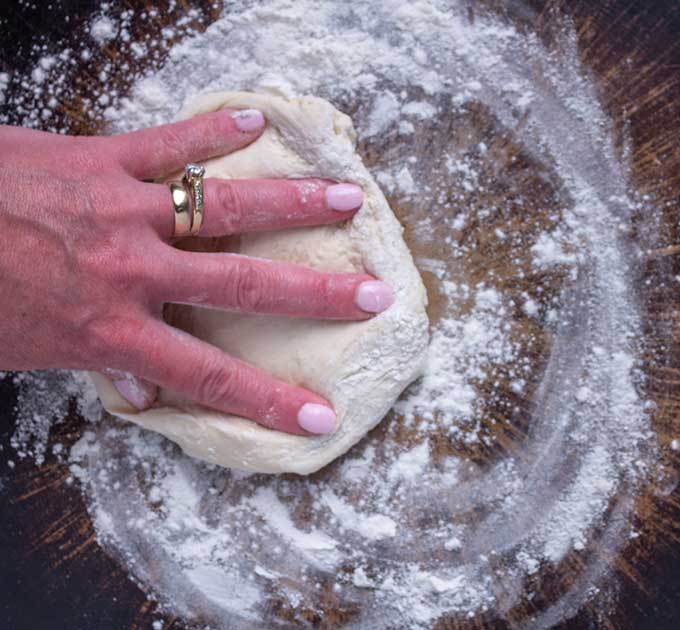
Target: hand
x,y
86,264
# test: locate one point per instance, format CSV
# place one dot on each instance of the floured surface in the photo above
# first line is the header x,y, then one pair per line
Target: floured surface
x,y
523,447
360,367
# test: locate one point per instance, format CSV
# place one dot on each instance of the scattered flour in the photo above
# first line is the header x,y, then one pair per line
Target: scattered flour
x,y
103,29
548,250
372,526
4,82
461,349
409,466
278,518
385,111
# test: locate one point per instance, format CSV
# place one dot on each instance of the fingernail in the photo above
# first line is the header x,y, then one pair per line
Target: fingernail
x,y
374,296
344,197
316,418
139,394
248,119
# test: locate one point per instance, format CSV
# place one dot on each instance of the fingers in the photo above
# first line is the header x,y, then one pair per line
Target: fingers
x,y
251,205
251,285
160,151
206,375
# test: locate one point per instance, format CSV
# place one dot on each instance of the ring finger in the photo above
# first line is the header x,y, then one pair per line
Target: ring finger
x,y
251,205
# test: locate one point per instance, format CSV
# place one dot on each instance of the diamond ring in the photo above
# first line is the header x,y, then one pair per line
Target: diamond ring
x,y
193,181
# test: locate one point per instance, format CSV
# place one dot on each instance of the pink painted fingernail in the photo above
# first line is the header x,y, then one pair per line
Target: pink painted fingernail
x,y
374,296
248,119
316,418
139,394
344,197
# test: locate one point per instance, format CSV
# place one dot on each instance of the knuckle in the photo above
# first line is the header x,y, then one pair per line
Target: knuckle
x,y
216,383
111,340
231,203
250,287
99,204
112,197
129,279
121,270
88,154
96,153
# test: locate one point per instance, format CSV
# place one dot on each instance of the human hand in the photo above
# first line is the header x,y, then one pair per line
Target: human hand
x,y
86,264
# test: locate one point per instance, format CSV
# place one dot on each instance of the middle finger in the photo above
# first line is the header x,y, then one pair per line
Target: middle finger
x,y
254,285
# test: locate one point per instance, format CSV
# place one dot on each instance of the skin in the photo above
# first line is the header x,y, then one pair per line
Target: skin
x,y
87,263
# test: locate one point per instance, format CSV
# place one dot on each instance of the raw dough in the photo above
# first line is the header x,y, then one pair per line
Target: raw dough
x,y
361,367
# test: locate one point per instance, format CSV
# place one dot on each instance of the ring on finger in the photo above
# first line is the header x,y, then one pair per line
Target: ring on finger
x,y
182,206
193,182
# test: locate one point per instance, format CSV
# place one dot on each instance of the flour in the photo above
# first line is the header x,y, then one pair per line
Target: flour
x,y
4,82
588,495
43,400
404,533
39,98
102,29
549,250
372,527
385,112
409,465
278,518
460,349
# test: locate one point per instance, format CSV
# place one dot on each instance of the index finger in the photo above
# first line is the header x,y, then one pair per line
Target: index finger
x,y
159,151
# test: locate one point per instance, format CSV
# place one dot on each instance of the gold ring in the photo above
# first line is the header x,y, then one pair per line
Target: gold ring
x,y
193,180
182,205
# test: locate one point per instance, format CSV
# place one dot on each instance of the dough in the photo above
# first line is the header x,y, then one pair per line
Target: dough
x,y
360,367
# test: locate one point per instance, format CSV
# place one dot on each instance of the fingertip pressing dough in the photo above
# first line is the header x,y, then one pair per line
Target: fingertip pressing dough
x,y
360,367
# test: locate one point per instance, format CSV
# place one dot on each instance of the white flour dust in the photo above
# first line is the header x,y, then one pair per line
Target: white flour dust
x,y
401,536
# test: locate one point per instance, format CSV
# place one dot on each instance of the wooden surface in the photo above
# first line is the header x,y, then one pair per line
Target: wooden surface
x,y
53,574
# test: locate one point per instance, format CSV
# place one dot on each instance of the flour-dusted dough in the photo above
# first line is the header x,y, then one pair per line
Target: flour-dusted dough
x,y
361,367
